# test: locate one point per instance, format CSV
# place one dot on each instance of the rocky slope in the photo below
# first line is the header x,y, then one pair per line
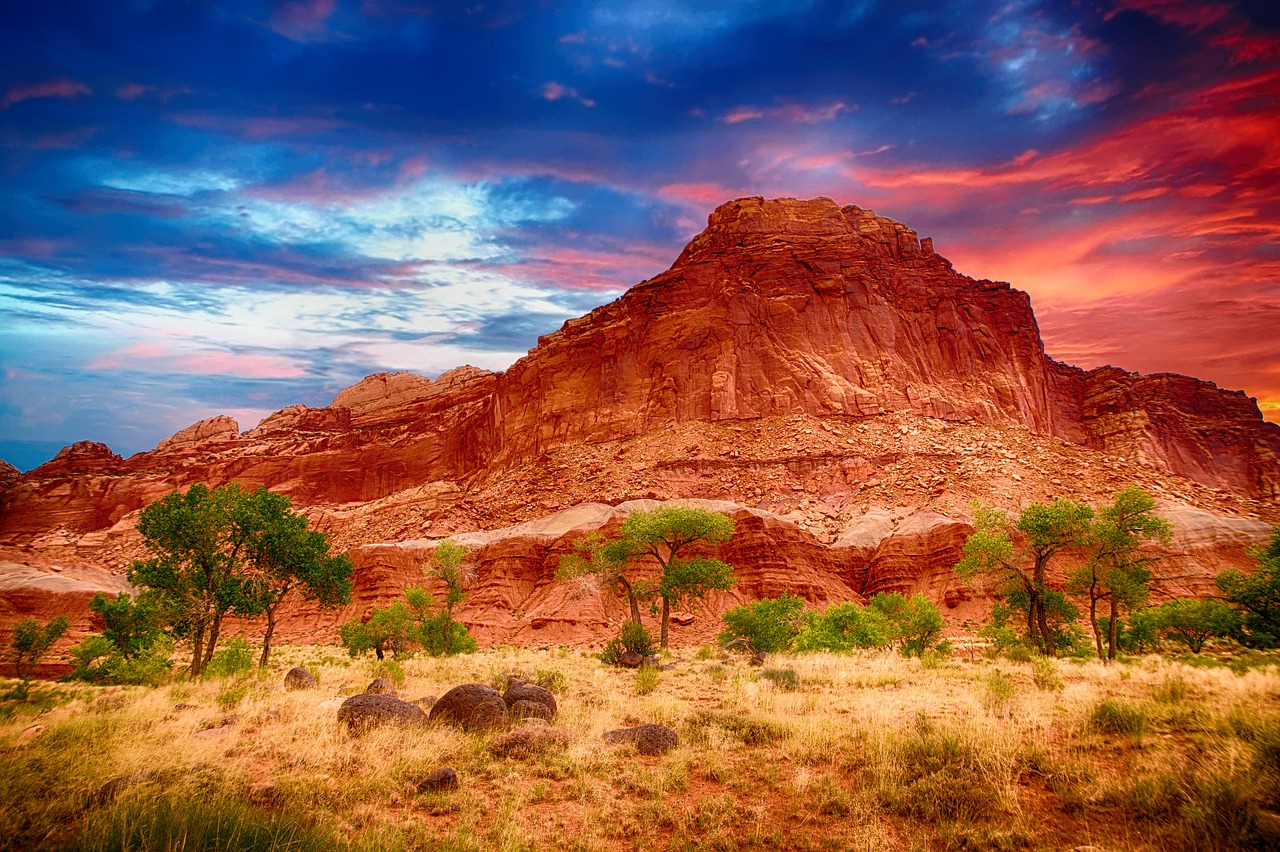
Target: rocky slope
x,y
819,364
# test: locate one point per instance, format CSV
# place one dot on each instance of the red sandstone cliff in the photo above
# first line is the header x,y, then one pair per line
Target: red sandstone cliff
x,y
782,314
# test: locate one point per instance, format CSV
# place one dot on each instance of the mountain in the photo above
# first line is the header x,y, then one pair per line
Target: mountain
x,y
819,367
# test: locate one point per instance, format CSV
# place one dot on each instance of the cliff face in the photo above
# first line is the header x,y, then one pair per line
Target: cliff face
x,y
845,359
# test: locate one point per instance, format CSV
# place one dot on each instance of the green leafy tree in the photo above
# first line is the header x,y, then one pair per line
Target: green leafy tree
x,y
390,628
915,624
1194,621
230,551
32,640
843,627
1257,596
1118,571
130,625
991,555
661,535
283,556
766,626
449,566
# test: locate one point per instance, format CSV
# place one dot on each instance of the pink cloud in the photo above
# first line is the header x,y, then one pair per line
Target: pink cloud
x,y
62,87
1189,14
256,127
554,91
788,112
163,357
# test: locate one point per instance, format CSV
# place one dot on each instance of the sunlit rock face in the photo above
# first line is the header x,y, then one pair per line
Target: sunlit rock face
x,y
818,364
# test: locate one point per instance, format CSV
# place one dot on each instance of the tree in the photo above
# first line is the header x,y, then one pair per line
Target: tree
x,y
1116,571
1194,621
386,629
283,555
450,568
914,623
229,551
661,534
990,554
1257,596
130,625
766,626
32,640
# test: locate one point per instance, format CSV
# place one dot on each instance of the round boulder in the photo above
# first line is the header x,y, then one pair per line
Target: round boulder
x,y
521,691
381,686
648,739
472,706
630,660
365,711
299,678
524,709
444,778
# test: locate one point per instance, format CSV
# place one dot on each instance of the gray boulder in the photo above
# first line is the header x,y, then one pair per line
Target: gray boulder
x,y
381,686
648,739
521,691
299,678
471,706
365,711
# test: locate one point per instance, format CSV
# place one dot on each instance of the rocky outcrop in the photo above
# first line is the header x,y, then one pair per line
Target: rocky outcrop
x,y
801,356
8,473
210,431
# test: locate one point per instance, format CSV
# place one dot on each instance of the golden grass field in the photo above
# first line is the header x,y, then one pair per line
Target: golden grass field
x,y
866,751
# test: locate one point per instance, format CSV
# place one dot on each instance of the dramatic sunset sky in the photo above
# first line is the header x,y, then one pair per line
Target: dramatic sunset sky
x,y
226,208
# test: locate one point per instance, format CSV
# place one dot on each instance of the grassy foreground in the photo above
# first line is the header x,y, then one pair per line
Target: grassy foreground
x,y
870,751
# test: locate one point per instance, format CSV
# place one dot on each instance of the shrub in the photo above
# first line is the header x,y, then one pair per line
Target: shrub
x,y
844,627
1000,693
552,679
914,623
632,636
1044,674
236,658
752,730
389,669
1117,716
766,626
785,679
647,678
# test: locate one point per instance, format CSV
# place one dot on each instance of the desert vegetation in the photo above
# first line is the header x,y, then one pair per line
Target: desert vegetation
x,y
862,750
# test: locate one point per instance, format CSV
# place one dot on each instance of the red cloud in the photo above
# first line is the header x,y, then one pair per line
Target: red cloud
x,y
59,88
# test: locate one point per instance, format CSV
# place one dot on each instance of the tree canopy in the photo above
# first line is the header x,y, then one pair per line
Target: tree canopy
x,y
1257,596
230,551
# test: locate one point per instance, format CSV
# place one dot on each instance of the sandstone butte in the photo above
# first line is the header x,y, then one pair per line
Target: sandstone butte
x,y
818,372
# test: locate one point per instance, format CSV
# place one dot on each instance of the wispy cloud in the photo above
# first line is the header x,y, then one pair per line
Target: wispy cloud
x,y
62,87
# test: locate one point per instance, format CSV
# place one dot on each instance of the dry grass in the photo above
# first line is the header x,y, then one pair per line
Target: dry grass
x,y
853,752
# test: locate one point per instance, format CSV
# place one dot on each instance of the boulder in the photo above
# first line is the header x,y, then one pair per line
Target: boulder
x,y
444,778
524,709
381,686
365,711
648,739
471,706
529,692
299,678
631,660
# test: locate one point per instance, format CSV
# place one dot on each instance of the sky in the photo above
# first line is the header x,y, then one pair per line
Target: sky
x,y
228,208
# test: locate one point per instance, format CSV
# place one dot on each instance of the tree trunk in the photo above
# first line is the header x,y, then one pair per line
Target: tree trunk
x,y
197,650
666,613
1093,619
1043,623
266,640
631,599
212,642
1112,629
1032,633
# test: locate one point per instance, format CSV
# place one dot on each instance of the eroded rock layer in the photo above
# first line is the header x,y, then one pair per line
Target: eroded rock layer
x,y
820,366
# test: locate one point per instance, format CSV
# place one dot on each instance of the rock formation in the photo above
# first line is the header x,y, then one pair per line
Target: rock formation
x,y
819,366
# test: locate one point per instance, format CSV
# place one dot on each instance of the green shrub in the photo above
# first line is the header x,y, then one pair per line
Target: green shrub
x,y
236,658
552,679
98,660
1000,693
1044,674
766,626
647,678
31,640
631,637
914,623
751,730
392,671
785,679
1117,716
844,627
229,697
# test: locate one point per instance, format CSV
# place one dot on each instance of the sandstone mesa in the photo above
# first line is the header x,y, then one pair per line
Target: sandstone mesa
x,y
817,372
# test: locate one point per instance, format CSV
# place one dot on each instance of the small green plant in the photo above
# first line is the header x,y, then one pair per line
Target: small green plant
x,y
704,652
549,678
236,658
392,671
784,679
766,626
1000,693
1044,674
1117,716
632,636
932,659
751,729
647,678
1174,689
